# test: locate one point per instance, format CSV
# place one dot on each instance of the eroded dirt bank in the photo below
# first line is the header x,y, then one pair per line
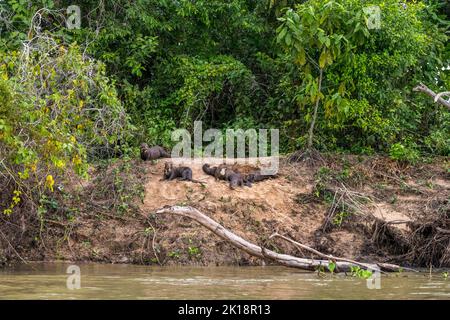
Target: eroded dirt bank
x,y
368,209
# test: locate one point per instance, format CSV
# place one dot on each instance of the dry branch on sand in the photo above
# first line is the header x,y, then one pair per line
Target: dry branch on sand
x,y
345,199
263,253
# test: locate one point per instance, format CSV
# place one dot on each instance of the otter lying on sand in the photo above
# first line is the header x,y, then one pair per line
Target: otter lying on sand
x,y
182,173
153,153
257,176
223,172
209,170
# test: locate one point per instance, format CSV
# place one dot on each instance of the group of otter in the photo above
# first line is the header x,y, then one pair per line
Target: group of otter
x,y
233,174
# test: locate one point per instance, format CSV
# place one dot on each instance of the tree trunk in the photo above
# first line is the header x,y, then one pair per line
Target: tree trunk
x,y
316,107
260,252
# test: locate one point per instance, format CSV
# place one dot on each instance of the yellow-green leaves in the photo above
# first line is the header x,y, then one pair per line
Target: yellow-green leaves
x,y
325,59
288,39
53,109
301,57
49,182
282,33
14,202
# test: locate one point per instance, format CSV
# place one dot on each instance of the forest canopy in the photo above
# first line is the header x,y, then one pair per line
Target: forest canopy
x,y
136,70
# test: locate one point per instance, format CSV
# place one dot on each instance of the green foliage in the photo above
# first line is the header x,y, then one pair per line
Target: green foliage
x,y
57,108
174,254
194,251
238,63
199,88
332,266
357,271
399,152
316,35
339,218
367,99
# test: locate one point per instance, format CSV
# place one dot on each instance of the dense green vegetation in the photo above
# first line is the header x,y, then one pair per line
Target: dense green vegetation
x,y
136,70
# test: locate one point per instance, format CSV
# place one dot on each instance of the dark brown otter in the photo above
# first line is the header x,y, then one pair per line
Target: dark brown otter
x,y
153,153
223,172
236,179
257,176
227,173
209,170
181,173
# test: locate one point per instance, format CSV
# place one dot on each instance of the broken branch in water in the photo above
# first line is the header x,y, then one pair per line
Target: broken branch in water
x,y
262,253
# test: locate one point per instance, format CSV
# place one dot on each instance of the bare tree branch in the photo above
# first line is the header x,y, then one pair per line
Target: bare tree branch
x,y
437,97
263,253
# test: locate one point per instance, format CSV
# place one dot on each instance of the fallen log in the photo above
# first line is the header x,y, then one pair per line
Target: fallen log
x,y
317,253
263,253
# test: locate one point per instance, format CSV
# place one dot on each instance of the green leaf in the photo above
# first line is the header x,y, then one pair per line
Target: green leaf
x,y
281,35
331,266
288,39
301,57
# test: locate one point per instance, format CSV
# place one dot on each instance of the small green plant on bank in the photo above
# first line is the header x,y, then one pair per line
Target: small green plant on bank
x,y
445,275
332,266
193,251
400,152
323,177
174,254
148,231
321,271
393,199
357,271
340,217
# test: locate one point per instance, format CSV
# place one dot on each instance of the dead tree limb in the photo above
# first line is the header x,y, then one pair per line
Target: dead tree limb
x,y
263,253
436,96
320,254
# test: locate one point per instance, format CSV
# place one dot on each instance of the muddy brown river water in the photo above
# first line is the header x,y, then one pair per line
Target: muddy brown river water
x,y
98,281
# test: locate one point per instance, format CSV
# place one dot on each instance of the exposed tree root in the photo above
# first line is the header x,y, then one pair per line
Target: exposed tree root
x,y
389,238
427,241
342,265
310,156
430,241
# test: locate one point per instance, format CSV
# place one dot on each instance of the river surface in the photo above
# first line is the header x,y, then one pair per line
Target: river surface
x,y
98,281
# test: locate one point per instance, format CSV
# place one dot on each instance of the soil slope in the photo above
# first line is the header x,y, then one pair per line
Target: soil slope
x,y
390,200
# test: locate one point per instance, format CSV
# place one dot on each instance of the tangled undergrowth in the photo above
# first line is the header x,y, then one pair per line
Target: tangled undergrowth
x,y
114,193
351,189
103,219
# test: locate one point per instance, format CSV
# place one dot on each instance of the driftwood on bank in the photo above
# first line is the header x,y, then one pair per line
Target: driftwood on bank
x,y
436,96
317,253
341,264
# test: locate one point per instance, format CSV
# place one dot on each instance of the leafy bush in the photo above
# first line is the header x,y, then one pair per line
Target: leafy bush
x,y
213,90
224,62
58,108
367,100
